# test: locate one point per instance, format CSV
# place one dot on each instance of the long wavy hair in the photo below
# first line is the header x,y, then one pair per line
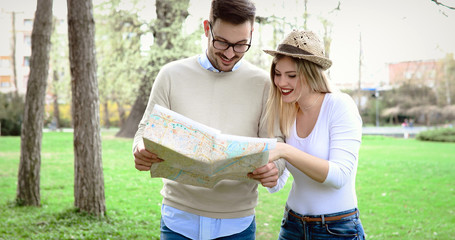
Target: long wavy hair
x,y
309,74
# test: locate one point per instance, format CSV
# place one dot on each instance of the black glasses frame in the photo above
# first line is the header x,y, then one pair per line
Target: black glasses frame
x,y
228,44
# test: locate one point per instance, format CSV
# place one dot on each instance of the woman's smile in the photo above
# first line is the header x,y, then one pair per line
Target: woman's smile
x,y
286,91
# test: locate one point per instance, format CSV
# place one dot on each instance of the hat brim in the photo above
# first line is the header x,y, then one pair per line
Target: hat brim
x,y
324,63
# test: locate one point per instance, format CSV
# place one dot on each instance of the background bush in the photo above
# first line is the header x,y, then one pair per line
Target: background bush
x,y
438,135
66,118
11,111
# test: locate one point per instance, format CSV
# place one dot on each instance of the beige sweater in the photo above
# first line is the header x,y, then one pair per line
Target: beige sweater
x,y
233,102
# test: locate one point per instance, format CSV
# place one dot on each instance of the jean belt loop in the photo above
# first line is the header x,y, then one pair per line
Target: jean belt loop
x,y
286,212
323,220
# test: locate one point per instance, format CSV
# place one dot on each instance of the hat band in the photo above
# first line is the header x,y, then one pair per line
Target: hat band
x,y
291,49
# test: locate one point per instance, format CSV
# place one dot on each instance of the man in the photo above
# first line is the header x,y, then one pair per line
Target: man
x,y
222,91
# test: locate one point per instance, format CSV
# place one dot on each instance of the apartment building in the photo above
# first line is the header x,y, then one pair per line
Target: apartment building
x,y
423,72
15,41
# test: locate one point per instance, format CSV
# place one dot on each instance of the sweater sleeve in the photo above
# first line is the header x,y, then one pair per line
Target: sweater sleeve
x,y
159,95
345,137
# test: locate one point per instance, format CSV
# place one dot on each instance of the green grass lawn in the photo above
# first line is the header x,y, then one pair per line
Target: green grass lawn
x,y
405,190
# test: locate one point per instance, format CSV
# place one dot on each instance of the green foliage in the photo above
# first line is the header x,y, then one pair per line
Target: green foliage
x,y
11,113
119,56
131,50
389,181
438,135
170,40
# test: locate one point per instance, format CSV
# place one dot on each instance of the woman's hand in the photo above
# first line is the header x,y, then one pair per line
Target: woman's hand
x,y
277,152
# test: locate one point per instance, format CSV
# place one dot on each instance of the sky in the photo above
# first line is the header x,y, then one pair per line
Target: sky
x,y
391,30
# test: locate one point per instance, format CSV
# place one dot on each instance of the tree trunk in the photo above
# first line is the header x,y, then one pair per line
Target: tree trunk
x,y
88,171
28,184
13,52
129,127
447,78
56,117
168,13
107,122
121,113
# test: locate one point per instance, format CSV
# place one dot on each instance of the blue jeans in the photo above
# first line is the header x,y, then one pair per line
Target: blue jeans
x,y
348,227
248,233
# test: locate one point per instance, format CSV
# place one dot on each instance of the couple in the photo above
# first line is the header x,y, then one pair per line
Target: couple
x,y
322,131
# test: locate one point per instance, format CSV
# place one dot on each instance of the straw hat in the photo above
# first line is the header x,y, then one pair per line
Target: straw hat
x,y
304,45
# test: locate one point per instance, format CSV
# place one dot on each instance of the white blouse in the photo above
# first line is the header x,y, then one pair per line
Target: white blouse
x,y
335,137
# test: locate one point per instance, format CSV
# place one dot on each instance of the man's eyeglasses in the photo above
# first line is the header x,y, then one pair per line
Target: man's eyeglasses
x,y
222,45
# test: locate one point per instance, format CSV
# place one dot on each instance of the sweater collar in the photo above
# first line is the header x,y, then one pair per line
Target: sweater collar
x,y
205,63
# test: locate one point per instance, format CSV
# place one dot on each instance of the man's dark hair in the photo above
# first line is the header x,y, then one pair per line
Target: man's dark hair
x,y
233,11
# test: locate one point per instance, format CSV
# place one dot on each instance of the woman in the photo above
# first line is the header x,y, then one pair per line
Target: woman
x,y
323,132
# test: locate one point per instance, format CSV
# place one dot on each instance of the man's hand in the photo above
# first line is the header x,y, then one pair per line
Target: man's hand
x,y
267,175
144,159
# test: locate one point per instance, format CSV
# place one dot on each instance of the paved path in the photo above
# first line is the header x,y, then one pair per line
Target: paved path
x,y
385,131
394,131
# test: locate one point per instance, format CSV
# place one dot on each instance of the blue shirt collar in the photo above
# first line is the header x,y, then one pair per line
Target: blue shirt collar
x,y
205,63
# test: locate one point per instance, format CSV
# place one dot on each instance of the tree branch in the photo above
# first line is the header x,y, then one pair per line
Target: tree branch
x,y
442,4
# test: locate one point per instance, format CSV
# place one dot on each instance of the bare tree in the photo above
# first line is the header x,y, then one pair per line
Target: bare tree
x,y
88,171
56,117
442,4
59,63
28,184
13,51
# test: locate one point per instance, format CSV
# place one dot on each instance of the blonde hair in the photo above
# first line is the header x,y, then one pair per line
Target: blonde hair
x,y
310,74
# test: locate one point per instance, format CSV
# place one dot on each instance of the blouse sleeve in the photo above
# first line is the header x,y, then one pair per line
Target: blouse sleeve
x,y
281,182
345,138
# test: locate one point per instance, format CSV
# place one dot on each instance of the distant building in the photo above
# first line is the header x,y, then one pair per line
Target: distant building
x,y
423,72
23,25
